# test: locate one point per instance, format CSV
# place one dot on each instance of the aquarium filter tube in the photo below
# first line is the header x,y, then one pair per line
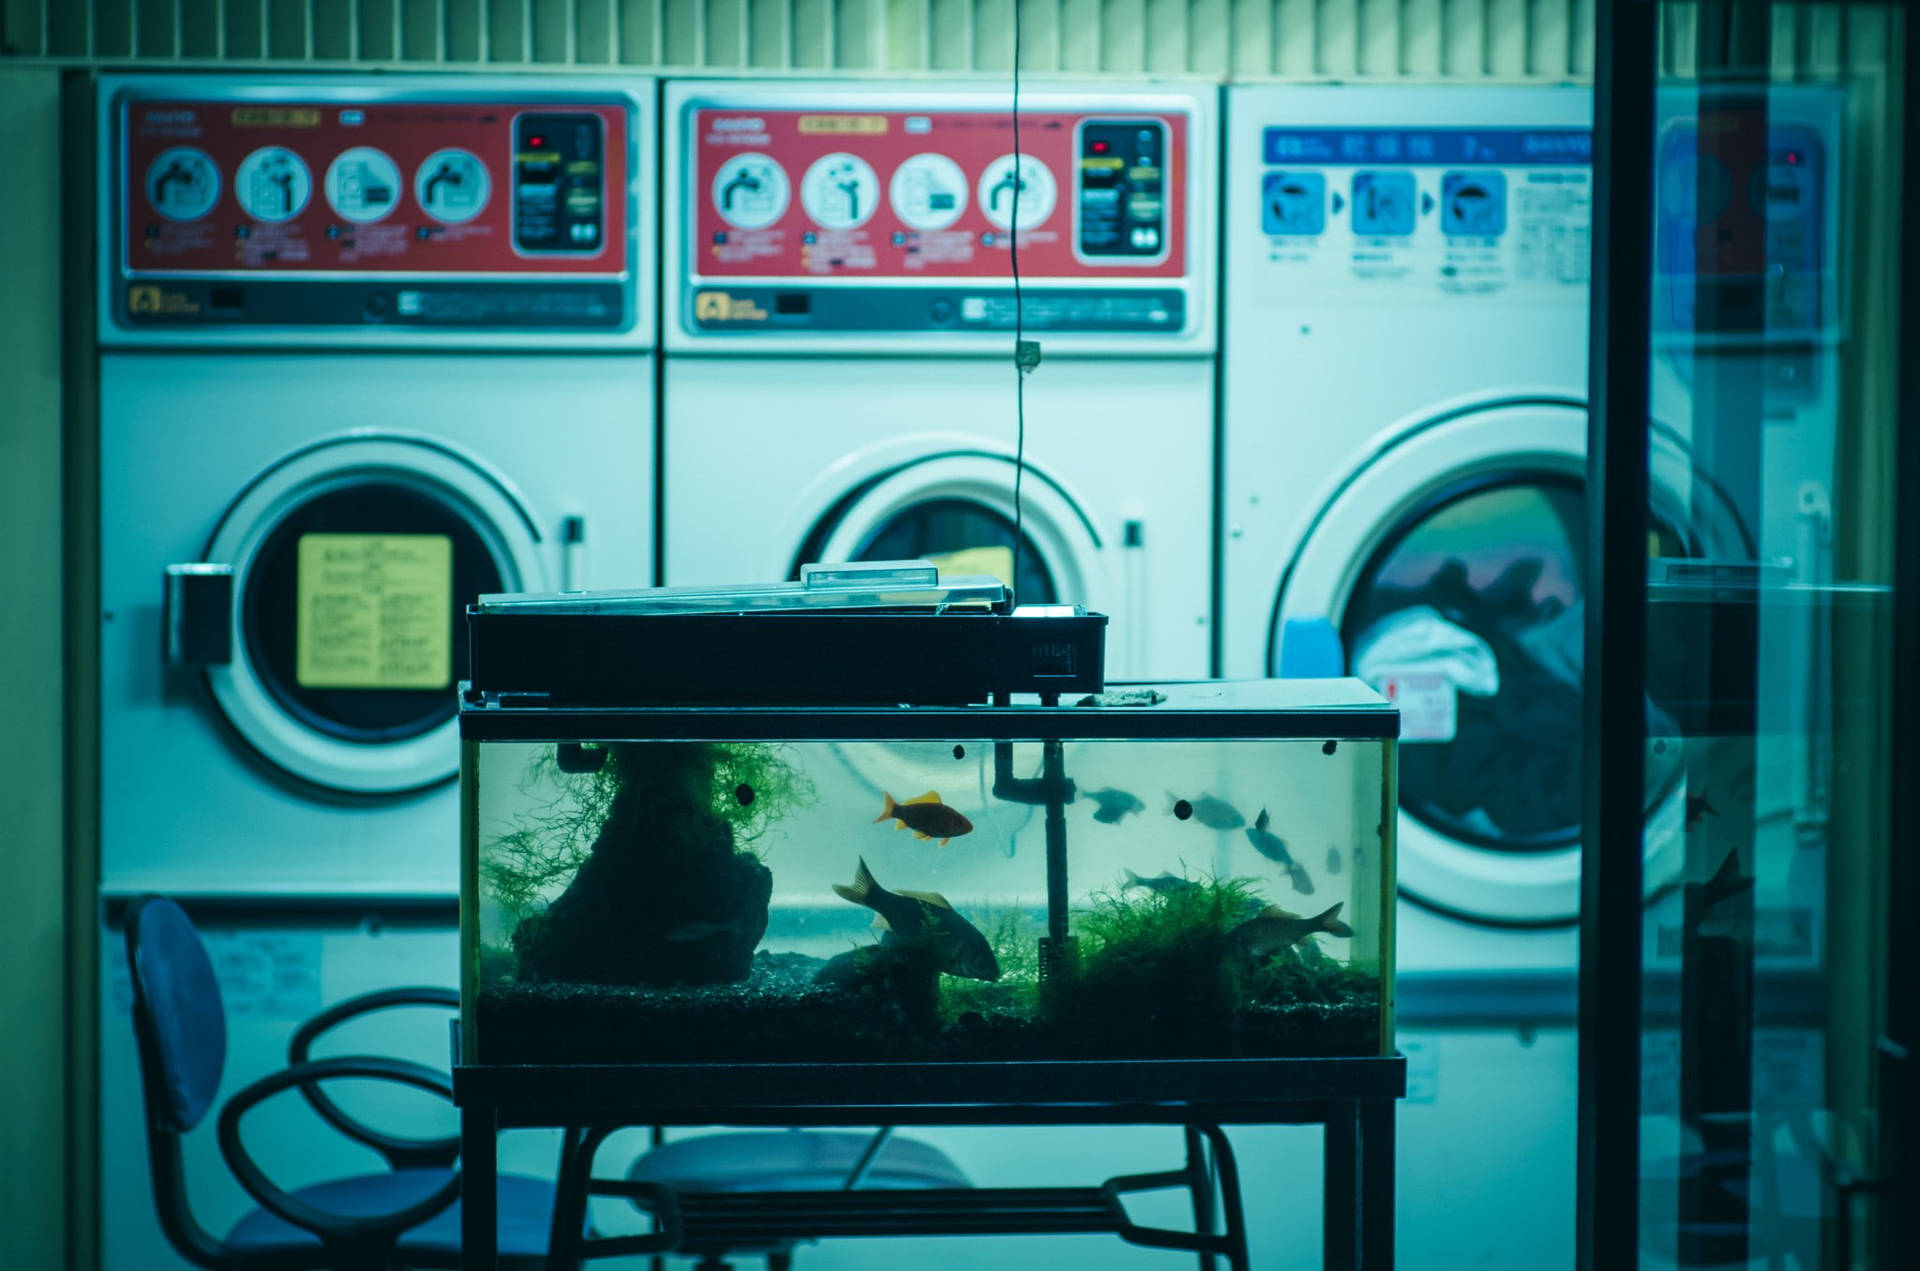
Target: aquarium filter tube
x,y
1052,789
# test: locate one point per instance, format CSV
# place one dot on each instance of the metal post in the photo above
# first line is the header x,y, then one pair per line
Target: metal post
x,y
1614,722
1376,1184
479,1187
1898,1202
1342,1186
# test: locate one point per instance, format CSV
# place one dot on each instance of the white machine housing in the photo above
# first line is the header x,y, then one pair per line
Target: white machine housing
x,y
855,397
314,831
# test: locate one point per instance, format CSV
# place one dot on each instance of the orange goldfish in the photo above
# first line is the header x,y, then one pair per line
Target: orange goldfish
x,y
927,817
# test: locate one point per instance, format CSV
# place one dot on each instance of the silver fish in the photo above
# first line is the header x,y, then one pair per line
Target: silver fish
x,y
1215,814
1114,804
1164,884
1267,843
1276,929
957,946
1333,860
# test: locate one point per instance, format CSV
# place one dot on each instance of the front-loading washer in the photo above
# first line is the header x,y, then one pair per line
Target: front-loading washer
x,y
839,384
1404,457
839,380
370,348
1404,380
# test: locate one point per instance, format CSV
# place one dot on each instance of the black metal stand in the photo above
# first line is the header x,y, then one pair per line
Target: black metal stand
x,y
1352,1098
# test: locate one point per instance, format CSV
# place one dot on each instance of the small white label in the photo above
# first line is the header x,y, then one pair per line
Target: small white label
x,y
1429,705
262,974
1423,1068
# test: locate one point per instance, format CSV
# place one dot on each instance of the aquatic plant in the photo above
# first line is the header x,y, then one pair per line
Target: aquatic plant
x,y
1304,974
748,785
1154,970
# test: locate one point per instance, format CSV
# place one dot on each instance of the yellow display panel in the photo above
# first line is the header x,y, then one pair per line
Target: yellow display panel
x,y
373,611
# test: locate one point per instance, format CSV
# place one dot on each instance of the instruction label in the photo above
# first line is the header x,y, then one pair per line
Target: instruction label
x,y
803,195
1358,215
236,190
373,611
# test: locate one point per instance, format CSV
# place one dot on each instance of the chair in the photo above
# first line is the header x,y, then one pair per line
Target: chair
x,y
409,1216
764,1192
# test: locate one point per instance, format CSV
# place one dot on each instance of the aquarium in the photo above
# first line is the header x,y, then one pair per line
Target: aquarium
x,y
1186,871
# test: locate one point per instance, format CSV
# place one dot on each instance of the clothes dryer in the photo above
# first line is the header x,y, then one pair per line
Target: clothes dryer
x,y
839,379
370,349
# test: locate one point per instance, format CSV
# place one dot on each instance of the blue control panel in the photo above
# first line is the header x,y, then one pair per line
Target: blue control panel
x,y
1497,147
1386,197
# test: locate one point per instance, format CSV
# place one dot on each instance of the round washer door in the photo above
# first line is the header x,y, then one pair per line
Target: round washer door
x,y
353,561
1451,567
956,509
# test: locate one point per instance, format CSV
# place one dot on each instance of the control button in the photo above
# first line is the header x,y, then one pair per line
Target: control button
x,y
941,312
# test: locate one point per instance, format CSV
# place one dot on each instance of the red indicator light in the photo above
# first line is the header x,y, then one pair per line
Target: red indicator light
x,y
1099,147
1793,157
536,141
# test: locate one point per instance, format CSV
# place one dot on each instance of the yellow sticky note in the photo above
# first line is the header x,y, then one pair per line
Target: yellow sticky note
x,y
374,611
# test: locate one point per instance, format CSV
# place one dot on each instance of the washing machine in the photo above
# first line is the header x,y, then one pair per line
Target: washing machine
x,y
839,377
370,348
1404,453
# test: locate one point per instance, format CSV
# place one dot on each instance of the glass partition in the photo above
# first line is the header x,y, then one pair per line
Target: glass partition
x,y
1770,248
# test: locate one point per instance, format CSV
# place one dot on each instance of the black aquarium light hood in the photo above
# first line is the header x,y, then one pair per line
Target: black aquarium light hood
x,y
877,633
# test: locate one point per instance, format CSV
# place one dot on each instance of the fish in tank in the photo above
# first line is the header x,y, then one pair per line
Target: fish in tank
x,y
632,896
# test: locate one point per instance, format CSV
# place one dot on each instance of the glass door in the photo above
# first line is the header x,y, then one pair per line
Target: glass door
x,y
1742,1033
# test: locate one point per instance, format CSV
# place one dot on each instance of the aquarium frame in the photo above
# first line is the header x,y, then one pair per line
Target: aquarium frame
x,y
521,721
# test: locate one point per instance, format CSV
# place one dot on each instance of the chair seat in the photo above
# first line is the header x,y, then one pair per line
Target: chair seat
x,y
792,1160
526,1212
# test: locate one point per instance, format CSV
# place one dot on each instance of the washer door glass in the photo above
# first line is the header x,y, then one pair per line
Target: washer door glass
x,y
1470,613
353,563
961,537
351,610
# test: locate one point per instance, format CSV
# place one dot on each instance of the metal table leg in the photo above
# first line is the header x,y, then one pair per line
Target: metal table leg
x,y
1343,1188
1200,1188
479,1188
1376,1184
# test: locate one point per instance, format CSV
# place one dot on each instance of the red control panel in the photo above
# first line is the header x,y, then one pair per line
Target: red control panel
x,y
887,196
499,188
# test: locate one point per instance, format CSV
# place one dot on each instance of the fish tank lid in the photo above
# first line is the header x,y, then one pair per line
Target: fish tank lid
x,y
1327,711
855,585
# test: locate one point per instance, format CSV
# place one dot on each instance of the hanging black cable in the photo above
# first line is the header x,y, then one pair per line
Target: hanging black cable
x,y
1020,357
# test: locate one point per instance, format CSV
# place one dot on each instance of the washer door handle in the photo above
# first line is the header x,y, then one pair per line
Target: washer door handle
x,y
197,615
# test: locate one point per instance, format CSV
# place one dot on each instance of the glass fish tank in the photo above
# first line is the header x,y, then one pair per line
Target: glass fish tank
x,y
1196,870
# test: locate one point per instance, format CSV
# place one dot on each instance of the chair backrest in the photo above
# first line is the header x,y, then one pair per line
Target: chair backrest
x,y
180,1027
178,1016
